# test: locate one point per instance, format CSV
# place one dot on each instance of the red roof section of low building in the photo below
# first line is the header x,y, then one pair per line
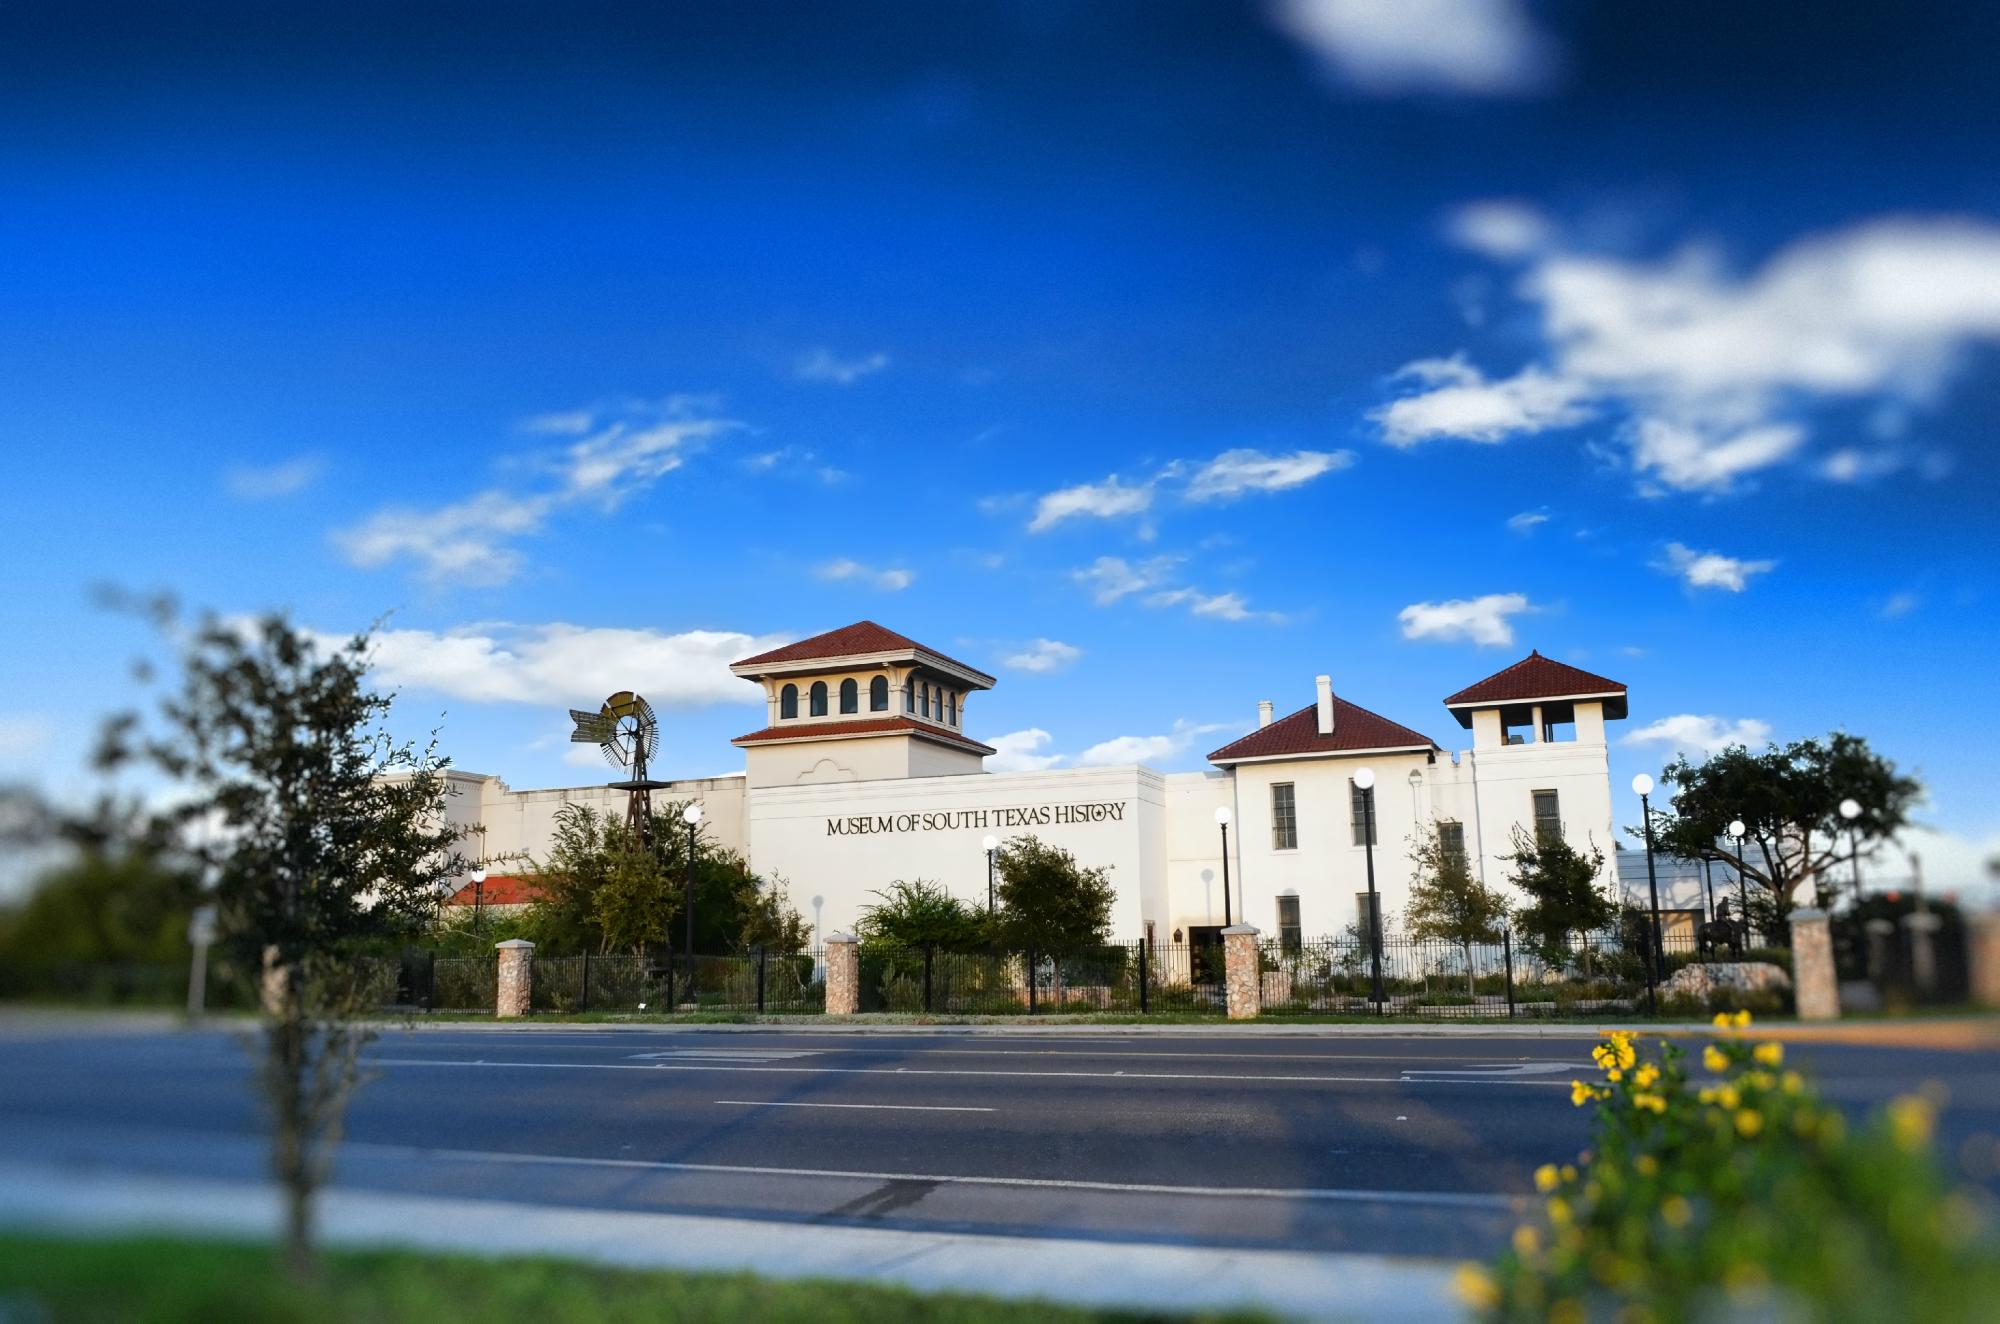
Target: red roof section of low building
x,y
848,641
1354,728
499,890
1534,677
872,726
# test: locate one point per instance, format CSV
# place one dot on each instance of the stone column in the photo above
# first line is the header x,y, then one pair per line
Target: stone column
x,y
517,977
1982,943
271,985
1813,976
843,975
1239,960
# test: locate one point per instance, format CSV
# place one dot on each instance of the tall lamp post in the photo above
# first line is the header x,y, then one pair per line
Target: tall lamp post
x,y
1222,821
692,817
1850,809
1656,958
478,895
992,845
1736,834
1364,778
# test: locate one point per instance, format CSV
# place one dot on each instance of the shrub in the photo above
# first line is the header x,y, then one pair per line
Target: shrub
x,y
1741,1196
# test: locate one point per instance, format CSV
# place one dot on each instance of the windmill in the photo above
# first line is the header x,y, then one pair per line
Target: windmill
x,y
626,730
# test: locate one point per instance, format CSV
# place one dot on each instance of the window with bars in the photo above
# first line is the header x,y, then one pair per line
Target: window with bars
x,y
1364,825
1451,842
1548,816
1284,817
1291,934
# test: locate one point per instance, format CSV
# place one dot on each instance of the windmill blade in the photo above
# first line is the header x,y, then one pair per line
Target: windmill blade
x,y
591,728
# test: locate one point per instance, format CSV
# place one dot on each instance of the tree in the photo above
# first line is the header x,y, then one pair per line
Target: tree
x,y
1048,902
1788,798
916,913
1446,902
325,840
1565,898
108,904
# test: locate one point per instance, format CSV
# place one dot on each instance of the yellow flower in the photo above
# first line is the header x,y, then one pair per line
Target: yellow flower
x,y
1749,1123
1727,1096
1568,1172
1715,1059
1614,1075
1677,1211
1652,1101
1768,1055
1705,1095
1911,1120
1527,1241
1740,1019
1626,1055
1647,1165
1721,1021
1792,1082
1547,1178
1580,1093
1475,1287
1645,1076
1559,1211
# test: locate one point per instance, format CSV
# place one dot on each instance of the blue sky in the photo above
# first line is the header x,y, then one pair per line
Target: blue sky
x,y
1155,357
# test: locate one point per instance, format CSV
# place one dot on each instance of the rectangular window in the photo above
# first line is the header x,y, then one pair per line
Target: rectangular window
x,y
1291,937
1361,911
1366,830
1284,817
1451,841
1548,815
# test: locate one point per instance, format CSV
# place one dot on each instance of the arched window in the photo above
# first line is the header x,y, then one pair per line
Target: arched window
x,y
788,702
909,696
951,709
924,707
816,700
850,696
878,695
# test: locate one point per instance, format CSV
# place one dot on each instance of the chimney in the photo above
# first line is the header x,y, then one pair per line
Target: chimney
x,y
1325,684
1263,714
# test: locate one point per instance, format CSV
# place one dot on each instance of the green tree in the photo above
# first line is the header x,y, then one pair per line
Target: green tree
x,y
915,913
1446,902
1565,898
1788,798
108,904
1048,902
325,839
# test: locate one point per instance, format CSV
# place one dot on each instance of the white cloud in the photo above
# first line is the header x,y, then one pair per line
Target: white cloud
x,y
1899,605
1526,521
1110,578
1235,472
1216,606
266,482
466,543
823,365
1042,657
795,462
1149,749
1020,751
622,457
1483,620
566,665
893,580
1712,569
561,423
1385,47
1715,368
1106,500
1690,733
1502,230
24,737
1464,404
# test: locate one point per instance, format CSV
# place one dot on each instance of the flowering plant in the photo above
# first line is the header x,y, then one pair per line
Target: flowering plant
x,y
1739,1194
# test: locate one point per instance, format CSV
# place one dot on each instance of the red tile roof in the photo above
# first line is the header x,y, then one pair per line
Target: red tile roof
x,y
848,641
869,726
1534,677
500,890
1354,728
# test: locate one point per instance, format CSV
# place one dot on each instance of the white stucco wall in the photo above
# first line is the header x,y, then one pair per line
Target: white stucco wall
x,y
522,822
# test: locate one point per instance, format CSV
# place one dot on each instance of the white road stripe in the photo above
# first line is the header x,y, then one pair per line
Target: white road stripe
x,y
958,1071
1454,1199
881,1107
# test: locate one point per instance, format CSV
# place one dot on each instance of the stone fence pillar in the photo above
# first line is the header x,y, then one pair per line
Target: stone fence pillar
x,y
517,977
1816,984
843,975
1982,939
1239,960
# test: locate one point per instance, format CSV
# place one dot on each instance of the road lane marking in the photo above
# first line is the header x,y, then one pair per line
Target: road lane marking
x,y
882,1107
729,1054
579,1041
956,1071
1453,1199
1498,1073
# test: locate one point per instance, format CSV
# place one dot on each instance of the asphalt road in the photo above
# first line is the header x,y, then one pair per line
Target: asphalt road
x,y
1405,1146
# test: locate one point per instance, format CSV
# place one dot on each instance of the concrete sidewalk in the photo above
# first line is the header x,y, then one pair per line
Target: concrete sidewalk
x,y
1166,1278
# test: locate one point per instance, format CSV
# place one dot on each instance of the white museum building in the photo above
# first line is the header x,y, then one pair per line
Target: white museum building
x,y
862,774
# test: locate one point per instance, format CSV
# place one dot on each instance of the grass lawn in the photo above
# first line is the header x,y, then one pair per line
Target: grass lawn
x,y
163,1281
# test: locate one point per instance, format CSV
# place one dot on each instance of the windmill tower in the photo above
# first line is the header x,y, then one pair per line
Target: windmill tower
x,y
626,730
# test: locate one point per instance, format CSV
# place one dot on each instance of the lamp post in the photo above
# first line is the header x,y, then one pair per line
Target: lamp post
x,y
478,895
1656,958
992,845
1365,779
1222,821
1850,809
692,817
1736,834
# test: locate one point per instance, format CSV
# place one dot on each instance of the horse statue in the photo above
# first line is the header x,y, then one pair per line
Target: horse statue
x,y
1722,931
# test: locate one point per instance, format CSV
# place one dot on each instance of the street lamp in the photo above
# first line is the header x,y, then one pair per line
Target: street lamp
x,y
1656,959
1850,809
692,817
1222,821
478,894
1736,833
1364,778
992,845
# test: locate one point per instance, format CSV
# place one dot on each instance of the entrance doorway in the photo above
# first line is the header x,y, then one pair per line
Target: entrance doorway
x,y
1205,965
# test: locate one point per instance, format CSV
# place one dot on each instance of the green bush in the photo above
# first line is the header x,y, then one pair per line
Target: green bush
x,y
1741,1196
